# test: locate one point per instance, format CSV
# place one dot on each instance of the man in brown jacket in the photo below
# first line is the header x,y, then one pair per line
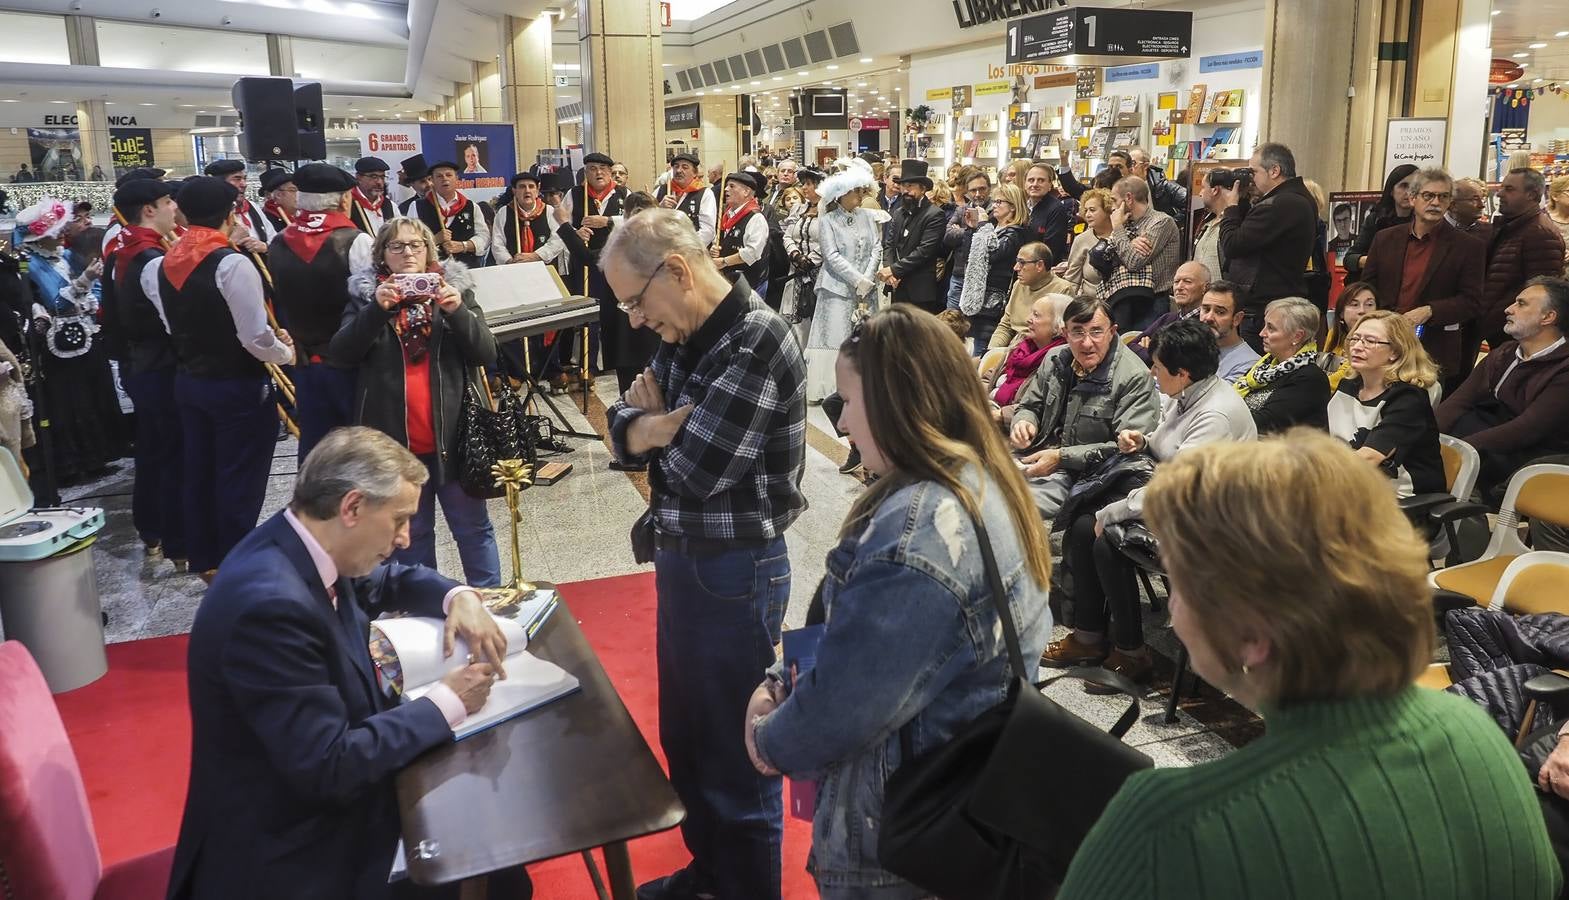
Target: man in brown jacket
x,y
1515,407
1525,244
1430,272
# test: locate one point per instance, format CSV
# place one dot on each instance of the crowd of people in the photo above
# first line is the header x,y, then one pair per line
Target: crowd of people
x,y
1009,361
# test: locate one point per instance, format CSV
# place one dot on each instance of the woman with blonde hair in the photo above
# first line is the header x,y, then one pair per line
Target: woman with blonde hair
x,y
910,651
1015,173
1095,208
1384,411
1363,785
989,272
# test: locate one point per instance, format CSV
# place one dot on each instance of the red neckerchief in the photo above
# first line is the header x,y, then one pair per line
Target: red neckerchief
x,y
729,219
526,234
411,322
198,243
271,206
365,203
599,197
457,207
131,240
310,231
681,192
242,211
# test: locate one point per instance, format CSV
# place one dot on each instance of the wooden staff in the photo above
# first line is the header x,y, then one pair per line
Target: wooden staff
x,y
279,378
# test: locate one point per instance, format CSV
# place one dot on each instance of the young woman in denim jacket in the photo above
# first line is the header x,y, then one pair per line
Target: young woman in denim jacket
x,y
912,640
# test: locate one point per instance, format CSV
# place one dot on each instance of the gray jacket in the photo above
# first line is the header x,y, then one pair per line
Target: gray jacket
x,y
852,252
1088,412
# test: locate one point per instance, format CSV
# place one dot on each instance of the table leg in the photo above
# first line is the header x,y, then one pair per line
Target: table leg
x,y
618,868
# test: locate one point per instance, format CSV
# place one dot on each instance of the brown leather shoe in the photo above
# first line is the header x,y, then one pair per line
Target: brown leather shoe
x,y
1068,652
1137,666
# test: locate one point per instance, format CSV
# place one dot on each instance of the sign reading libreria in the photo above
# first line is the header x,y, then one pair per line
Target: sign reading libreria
x,y
978,12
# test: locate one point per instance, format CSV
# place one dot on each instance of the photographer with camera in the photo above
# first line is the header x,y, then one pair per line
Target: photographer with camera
x,y
1267,233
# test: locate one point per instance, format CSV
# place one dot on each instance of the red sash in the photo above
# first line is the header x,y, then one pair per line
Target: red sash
x,y
198,243
729,219
309,232
131,240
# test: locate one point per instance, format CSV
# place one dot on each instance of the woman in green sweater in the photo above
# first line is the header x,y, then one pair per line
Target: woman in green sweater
x,y
1363,786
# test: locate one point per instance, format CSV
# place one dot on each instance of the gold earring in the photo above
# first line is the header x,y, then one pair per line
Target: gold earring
x,y
1245,668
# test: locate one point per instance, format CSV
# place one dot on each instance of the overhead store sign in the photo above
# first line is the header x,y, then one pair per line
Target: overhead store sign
x,y
1092,36
971,13
1226,62
131,148
1137,72
687,115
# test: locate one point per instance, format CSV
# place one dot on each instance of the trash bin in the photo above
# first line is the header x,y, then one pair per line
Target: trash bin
x,y
48,590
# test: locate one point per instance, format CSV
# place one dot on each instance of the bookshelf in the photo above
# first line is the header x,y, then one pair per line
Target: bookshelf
x,y
1207,126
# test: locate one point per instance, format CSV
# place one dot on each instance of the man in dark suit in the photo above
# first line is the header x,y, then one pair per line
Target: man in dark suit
x,y
296,733
1431,273
914,242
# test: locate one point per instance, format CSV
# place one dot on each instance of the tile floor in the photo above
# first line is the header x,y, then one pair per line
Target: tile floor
x,y
576,529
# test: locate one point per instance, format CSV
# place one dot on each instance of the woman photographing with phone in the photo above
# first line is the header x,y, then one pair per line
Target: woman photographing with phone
x,y
413,327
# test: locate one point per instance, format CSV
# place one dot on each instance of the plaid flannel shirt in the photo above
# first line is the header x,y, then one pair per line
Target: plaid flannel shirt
x,y
1155,270
734,469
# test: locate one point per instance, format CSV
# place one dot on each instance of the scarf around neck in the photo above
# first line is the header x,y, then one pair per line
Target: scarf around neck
x,y
731,218
680,192
309,232
271,206
1262,377
1022,362
459,203
598,196
972,298
130,242
411,322
198,243
525,234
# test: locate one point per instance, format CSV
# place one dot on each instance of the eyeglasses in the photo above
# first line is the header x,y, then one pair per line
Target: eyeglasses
x,y
1078,335
405,246
1356,339
1431,197
1027,262
635,302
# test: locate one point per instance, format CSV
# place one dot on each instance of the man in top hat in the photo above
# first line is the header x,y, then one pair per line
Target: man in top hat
x,y
279,198
743,232
460,229
372,207
252,232
210,299
413,177
147,364
685,193
914,241
311,262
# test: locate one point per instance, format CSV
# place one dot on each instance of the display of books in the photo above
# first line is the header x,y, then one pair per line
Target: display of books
x,y
967,124
1128,111
987,124
988,150
1098,143
1197,103
1105,111
1228,107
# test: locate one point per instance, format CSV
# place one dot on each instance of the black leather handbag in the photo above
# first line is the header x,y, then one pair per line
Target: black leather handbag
x,y
998,812
492,430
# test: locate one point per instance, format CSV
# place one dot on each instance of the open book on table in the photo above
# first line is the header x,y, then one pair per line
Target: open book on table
x,y
408,653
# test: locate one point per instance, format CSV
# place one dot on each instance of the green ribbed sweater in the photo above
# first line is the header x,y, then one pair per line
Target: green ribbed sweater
x,y
1414,796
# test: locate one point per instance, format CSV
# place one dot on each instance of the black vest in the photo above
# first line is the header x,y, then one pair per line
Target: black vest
x,y
253,219
730,242
148,346
310,297
205,341
611,207
387,210
540,225
277,222
463,226
690,204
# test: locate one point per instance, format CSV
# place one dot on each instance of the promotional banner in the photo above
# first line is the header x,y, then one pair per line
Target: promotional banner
x,y
56,153
485,153
131,148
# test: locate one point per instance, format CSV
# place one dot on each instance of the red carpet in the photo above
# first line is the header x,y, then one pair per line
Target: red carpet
x,y
132,734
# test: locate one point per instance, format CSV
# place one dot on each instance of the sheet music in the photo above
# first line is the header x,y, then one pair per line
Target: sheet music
x,y
511,290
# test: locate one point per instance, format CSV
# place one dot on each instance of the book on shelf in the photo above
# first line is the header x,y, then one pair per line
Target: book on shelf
x,y
988,150
974,148
1105,110
1197,97
1122,139
407,653
1098,143
1225,134
987,123
967,123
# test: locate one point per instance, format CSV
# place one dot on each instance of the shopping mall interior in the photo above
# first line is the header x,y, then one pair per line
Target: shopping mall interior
x,y
759,649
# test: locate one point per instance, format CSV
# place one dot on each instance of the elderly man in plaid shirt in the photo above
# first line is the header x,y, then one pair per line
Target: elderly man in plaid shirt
x,y
720,419
1148,248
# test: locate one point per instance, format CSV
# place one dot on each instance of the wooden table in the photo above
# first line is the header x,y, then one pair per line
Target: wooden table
x,y
567,777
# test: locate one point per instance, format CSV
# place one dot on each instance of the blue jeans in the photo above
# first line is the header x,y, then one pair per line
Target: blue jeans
x,y
229,427
157,507
955,288
719,619
325,400
469,522
982,325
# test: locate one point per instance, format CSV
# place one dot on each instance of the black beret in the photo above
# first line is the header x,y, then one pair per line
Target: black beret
x,y
686,156
134,174
753,180
599,159
138,192
367,165
272,179
444,164
224,167
206,197
414,167
526,175
322,178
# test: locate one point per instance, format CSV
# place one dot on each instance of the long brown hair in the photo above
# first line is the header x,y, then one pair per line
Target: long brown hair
x,y
933,421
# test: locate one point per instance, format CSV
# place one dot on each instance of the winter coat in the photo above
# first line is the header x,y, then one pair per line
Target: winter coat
x,y
1521,249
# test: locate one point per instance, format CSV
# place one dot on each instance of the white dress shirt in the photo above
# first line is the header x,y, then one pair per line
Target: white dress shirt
x,y
481,236
501,251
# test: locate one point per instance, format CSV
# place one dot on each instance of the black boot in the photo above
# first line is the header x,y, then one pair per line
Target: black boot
x,y
853,462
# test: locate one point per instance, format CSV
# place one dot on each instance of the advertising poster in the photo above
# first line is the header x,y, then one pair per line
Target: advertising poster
x,y
131,148
1417,142
484,153
1348,211
56,153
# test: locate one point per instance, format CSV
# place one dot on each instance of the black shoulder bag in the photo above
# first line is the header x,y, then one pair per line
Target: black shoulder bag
x,y
998,812
490,431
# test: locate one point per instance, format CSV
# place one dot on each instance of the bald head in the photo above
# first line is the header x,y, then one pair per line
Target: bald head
x,y
1189,284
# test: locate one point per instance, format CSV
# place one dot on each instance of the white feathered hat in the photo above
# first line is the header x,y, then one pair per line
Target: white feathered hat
x,y
44,219
852,178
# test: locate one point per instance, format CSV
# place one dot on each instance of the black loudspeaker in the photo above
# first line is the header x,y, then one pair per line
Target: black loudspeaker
x,y
269,127
310,122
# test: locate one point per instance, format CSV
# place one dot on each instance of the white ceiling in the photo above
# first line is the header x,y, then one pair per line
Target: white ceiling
x,y
1518,24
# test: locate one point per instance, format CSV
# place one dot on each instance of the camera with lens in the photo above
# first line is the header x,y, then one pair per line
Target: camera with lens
x,y
1225,179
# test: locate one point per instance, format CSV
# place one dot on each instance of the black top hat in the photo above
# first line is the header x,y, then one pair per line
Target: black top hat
x,y
810,174
414,167
322,178
686,156
558,181
599,159
272,179
206,197
368,165
915,170
753,180
131,196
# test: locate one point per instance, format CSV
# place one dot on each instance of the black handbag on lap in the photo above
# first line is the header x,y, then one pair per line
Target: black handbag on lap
x,y
998,812
491,431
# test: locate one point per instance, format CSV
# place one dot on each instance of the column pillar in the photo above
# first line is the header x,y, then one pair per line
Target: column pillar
x,y
92,122
1308,55
1450,82
528,96
463,102
280,56
623,83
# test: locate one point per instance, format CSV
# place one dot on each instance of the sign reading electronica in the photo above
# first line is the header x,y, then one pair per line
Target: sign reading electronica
x,y
1086,33
971,13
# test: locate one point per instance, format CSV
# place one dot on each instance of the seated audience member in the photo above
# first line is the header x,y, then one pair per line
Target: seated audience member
x,y
1033,280
1356,300
943,467
1202,408
1221,309
1187,290
1385,409
1285,388
1081,397
293,752
1350,790
993,258
1514,406
956,322
1043,334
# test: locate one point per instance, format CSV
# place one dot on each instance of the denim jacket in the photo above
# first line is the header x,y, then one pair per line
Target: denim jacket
x,y
912,638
